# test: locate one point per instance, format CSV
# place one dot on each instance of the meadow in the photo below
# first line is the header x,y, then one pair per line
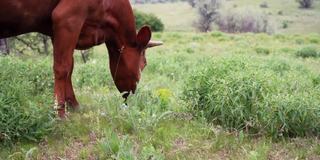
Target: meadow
x,y
202,96
159,122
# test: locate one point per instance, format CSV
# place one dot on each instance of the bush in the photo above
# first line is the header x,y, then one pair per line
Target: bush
x,y
285,24
305,3
148,19
261,50
25,97
264,5
262,96
308,52
208,13
244,20
192,3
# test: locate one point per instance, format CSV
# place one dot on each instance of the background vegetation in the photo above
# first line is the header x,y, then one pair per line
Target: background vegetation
x,y
148,19
181,16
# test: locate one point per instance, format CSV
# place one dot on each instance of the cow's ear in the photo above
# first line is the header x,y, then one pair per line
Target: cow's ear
x,y
144,36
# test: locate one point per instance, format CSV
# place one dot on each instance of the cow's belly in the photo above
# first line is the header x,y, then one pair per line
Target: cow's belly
x,y
22,16
91,35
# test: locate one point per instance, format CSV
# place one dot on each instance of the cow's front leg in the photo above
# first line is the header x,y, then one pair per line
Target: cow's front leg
x,y
70,96
66,30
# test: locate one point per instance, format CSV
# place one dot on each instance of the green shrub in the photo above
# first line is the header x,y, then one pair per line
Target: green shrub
x,y
307,52
217,34
300,41
261,50
314,40
316,80
262,96
25,97
148,19
285,24
264,5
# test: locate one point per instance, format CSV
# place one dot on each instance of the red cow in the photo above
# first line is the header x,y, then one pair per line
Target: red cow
x,y
81,24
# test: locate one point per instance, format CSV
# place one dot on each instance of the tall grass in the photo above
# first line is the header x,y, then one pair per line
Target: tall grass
x,y
261,96
25,96
308,52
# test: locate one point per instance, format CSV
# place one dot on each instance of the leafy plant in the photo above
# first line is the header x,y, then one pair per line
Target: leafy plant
x,y
116,147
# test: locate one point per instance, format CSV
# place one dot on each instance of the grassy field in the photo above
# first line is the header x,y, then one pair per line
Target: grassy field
x,y
158,123
181,16
202,95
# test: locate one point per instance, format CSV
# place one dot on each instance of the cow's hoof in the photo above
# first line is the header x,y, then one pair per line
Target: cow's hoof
x,y
73,106
62,113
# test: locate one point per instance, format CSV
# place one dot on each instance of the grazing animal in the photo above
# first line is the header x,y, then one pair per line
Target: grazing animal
x,y
81,24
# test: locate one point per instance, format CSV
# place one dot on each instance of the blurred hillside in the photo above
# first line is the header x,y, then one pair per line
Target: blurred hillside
x,y
285,16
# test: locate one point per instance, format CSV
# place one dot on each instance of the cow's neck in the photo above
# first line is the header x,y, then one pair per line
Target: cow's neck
x,y
122,23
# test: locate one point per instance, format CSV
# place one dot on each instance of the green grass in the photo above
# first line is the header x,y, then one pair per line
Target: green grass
x,y
272,96
158,123
180,16
25,90
307,52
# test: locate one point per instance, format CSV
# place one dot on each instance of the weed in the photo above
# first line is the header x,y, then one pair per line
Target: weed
x,y
115,147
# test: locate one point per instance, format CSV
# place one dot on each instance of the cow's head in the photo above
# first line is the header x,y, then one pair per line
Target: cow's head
x,y
128,61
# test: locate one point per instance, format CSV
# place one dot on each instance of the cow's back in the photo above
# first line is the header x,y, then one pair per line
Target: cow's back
x,y
22,16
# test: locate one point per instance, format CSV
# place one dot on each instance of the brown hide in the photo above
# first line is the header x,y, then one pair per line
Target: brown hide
x,y
81,24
